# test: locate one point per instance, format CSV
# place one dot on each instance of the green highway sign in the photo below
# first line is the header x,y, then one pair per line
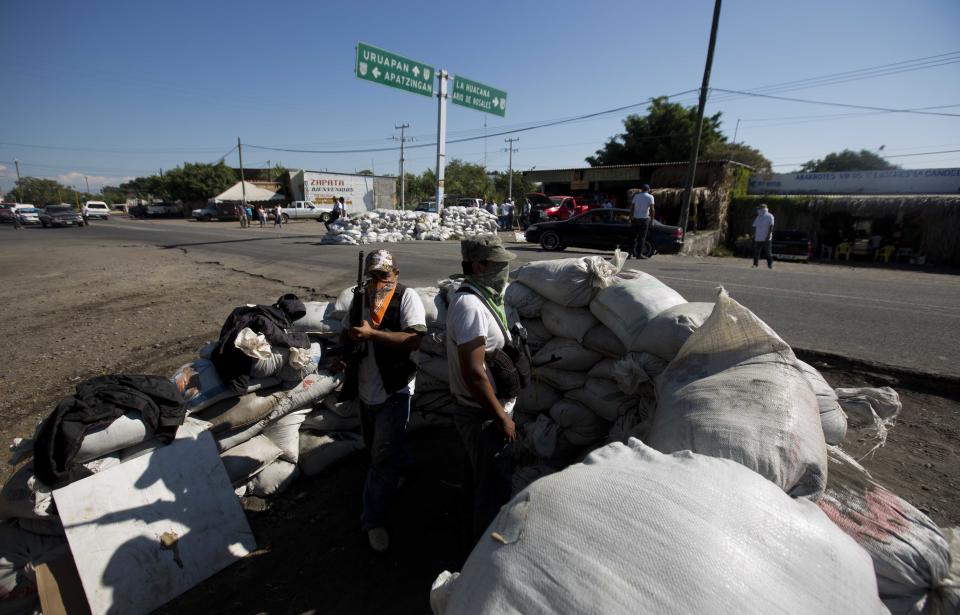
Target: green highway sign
x,y
386,68
477,96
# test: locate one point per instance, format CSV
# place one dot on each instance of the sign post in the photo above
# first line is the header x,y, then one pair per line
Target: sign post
x,y
474,95
387,68
442,76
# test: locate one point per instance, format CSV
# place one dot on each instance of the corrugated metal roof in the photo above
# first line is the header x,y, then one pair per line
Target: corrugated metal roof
x,y
638,165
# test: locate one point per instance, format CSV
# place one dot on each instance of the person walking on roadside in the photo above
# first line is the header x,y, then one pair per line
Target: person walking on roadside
x,y
277,216
17,221
643,211
242,214
505,209
525,214
336,213
261,216
476,330
762,236
393,322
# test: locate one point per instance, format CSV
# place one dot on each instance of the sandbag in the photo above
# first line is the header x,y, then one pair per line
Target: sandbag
x,y
630,302
320,451
191,428
524,476
273,479
635,369
239,412
633,531
863,404
226,440
346,409
570,282
285,433
601,339
911,556
524,299
603,369
562,353
833,420
324,420
537,334
603,397
247,459
734,391
201,387
435,309
537,397
559,379
666,332
319,319
568,322
280,364
125,431
341,305
580,425
542,436
310,391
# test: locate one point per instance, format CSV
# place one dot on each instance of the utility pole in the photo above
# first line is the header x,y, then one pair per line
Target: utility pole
x,y
510,148
243,183
403,179
16,163
735,131
695,145
442,77
86,179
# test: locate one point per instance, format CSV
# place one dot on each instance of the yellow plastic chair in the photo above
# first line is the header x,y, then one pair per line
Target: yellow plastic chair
x,y
843,249
884,253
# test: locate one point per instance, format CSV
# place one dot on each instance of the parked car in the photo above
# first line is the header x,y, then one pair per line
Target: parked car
x,y
791,246
6,212
428,206
558,207
28,214
60,215
96,209
219,211
604,229
304,210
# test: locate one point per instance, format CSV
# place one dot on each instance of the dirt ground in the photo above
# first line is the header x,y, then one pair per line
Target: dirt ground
x,y
131,309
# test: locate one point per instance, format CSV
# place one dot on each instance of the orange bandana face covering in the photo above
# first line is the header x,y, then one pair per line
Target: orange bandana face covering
x,y
380,294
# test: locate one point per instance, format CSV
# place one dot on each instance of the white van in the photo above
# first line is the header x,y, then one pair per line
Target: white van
x,y
96,209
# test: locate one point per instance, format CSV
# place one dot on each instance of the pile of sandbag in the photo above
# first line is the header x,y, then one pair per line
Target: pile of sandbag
x,y
388,225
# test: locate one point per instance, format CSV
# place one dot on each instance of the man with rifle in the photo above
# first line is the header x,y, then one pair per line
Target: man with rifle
x,y
385,323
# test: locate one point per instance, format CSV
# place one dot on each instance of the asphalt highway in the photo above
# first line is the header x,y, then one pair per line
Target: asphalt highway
x,y
904,318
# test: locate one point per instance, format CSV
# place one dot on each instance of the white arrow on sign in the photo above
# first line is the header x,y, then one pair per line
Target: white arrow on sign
x,y
376,72
416,71
363,68
496,102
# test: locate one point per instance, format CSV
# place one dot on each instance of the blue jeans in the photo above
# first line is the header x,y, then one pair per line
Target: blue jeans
x,y
384,433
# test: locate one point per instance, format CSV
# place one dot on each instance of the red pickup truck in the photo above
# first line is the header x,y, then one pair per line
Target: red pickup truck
x,y
558,207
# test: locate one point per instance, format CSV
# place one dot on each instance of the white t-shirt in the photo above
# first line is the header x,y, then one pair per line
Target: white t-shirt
x,y
641,205
412,315
506,209
607,205
467,319
762,225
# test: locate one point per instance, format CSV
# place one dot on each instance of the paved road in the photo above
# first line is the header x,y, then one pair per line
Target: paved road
x,y
903,318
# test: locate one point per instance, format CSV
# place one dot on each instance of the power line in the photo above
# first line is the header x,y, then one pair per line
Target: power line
x,y
835,104
111,150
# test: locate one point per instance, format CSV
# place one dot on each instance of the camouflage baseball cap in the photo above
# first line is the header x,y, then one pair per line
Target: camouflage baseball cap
x,y
379,260
485,248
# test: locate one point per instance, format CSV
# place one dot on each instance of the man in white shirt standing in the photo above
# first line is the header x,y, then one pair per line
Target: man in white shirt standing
x,y
392,326
643,211
607,203
476,328
762,235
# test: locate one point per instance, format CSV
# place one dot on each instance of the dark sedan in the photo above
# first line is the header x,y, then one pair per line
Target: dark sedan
x,y
60,215
604,229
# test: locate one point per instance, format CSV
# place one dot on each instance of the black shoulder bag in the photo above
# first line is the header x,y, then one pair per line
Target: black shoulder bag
x,y
510,366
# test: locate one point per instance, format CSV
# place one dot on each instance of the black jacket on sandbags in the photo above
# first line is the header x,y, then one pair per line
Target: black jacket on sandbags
x,y
272,321
97,403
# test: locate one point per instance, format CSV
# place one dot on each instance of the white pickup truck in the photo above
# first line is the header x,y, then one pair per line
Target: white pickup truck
x,y
305,210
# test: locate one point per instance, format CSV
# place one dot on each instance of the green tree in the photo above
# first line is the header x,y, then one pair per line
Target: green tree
x,y
146,187
501,186
664,134
847,160
365,172
198,181
41,192
466,179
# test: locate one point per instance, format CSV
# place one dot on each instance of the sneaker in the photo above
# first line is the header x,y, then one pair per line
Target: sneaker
x,y
379,539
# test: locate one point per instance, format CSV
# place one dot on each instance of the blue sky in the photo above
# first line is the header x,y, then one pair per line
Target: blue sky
x,y
113,90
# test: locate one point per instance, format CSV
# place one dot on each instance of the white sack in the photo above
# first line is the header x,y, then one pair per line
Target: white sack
x,y
273,479
285,433
226,440
320,451
569,322
252,344
341,305
862,405
247,459
434,307
562,353
601,339
201,387
524,299
603,369
635,369
537,397
537,334
125,431
570,282
630,302
580,425
559,379
734,391
911,556
318,319
288,364
604,398
633,531
542,436
832,418
666,332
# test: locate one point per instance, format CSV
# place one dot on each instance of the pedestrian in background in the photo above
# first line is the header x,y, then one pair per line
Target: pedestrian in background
x,y
261,216
525,214
643,211
607,203
277,216
242,213
762,236
505,215
17,222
